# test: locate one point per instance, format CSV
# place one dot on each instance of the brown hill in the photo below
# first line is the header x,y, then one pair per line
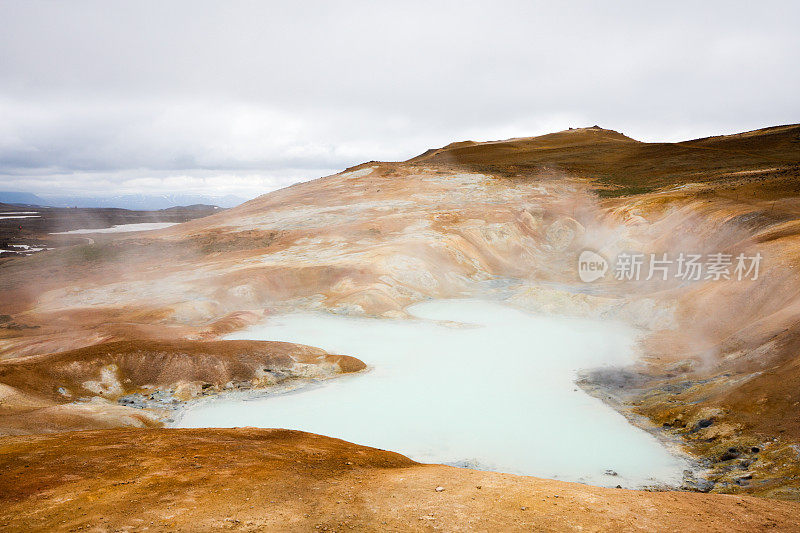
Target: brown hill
x,y
626,165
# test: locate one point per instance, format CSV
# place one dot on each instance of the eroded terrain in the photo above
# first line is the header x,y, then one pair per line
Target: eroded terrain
x,y
508,220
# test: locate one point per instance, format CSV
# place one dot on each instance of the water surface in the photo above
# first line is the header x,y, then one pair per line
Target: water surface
x,y
120,228
492,387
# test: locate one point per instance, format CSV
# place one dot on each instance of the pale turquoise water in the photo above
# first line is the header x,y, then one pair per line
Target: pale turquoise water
x,y
495,394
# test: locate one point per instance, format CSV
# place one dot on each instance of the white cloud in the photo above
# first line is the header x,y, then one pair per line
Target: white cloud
x,y
99,97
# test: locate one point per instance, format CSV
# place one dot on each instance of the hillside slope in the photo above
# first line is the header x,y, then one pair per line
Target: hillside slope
x,y
629,166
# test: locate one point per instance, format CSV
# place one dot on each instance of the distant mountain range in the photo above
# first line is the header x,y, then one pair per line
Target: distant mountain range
x,y
23,198
130,201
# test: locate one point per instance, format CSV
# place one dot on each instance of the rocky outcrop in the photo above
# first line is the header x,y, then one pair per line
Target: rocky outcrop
x,y
141,383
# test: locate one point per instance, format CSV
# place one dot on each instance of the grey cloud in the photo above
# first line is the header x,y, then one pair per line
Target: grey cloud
x,y
264,89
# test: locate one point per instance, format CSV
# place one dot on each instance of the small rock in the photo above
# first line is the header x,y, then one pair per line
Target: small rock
x,y
704,423
731,453
691,482
439,489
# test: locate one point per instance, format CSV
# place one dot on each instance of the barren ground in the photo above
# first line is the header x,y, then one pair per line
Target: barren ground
x,y
278,480
718,368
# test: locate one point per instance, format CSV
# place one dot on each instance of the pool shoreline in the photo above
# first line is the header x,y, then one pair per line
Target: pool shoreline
x,y
229,400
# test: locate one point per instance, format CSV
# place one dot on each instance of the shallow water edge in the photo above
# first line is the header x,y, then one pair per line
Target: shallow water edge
x,y
487,410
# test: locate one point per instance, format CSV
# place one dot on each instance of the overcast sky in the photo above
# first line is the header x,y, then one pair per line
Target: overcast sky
x,y
103,98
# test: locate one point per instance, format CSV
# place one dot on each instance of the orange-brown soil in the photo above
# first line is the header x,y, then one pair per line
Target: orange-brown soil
x,y
278,480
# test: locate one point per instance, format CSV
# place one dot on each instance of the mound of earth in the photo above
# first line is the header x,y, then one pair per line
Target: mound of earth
x,y
278,480
139,383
